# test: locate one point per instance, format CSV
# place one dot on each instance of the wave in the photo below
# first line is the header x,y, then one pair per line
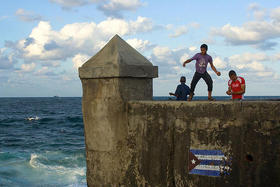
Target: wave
x,y
73,174
32,118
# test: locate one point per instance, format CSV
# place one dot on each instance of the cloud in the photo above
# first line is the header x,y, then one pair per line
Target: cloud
x,y
248,57
79,59
275,14
27,67
252,66
46,44
257,33
140,45
26,16
68,4
45,72
179,32
219,63
258,12
113,8
170,62
7,61
3,17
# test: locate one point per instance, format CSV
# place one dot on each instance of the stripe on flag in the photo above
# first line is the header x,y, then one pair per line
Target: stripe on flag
x,y
207,162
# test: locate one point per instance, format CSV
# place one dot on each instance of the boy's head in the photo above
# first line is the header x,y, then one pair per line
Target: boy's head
x,y
183,79
232,75
203,48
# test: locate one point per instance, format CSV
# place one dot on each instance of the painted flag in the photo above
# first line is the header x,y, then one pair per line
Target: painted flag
x,y
208,162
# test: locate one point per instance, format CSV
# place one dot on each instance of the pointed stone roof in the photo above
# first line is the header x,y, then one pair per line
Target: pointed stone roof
x,y
118,59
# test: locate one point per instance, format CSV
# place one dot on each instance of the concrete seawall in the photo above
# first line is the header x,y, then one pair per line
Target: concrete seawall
x,y
246,132
133,141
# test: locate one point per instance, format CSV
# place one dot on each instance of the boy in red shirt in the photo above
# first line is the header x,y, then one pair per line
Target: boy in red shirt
x,y
236,86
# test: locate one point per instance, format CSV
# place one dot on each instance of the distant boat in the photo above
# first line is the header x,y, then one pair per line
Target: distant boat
x,y
55,96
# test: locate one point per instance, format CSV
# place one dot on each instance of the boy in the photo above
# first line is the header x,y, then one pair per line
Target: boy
x,y
182,90
202,60
236,86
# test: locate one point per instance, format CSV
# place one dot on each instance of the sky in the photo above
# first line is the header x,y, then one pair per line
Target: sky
x,y
42,43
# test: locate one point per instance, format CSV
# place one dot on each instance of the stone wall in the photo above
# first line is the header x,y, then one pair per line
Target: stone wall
x,y
162,133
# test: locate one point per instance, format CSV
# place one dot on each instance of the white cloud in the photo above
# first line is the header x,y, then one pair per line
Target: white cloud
x,y
115,7
7,61
68,4
162,52
179,32
192,48
170,61
139,45
257,33
219,63
248,57
47,44
27,67
184,57
275,14
195,25
276,57
252,65
79,59
111,8
27,16
3,18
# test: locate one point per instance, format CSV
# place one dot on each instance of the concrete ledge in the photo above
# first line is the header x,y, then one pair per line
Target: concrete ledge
x,y
164,132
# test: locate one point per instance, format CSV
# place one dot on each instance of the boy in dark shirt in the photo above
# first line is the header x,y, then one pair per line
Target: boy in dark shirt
x,y
182,90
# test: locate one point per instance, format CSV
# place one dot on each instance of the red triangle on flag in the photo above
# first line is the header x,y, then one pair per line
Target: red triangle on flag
x,y
193,161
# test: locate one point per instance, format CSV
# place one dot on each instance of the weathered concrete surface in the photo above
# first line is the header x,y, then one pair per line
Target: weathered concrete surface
x,y
116,74
247,132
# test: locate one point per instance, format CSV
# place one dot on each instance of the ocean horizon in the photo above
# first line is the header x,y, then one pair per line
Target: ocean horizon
x,y
42,140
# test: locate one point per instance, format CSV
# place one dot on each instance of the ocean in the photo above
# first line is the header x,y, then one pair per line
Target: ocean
x,y
42,140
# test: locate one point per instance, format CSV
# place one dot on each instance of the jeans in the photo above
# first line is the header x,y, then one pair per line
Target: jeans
x,y
206,77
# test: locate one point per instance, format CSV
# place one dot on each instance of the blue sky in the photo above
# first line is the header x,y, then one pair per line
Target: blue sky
x,y
42,43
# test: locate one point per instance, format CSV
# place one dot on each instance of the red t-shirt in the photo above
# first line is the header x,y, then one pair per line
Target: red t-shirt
x,y
236,87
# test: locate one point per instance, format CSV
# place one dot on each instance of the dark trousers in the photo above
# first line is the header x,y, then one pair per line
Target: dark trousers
x,y
206,77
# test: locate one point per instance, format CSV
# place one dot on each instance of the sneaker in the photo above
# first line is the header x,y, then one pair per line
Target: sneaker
x,y
211,99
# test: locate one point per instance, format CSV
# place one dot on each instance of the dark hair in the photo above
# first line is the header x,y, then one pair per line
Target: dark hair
x,y
204,46
231,72
183,79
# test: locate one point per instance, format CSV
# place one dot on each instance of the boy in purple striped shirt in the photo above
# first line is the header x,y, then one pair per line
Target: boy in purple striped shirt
x,y
202,60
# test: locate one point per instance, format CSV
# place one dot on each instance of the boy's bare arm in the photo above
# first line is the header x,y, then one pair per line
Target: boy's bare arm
x,y
187,61
215,70
229,91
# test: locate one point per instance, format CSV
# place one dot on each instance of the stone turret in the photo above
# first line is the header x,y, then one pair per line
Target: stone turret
x,y
115,75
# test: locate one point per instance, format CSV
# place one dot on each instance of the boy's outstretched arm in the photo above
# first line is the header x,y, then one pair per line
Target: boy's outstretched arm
x,y
215,70
187,61
229,91
170,93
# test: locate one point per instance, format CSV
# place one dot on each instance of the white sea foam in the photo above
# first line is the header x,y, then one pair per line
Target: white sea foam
x,y
32,118
70,173
33,163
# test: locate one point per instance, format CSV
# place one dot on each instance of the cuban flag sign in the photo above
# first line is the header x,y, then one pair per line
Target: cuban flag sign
x,y
208,162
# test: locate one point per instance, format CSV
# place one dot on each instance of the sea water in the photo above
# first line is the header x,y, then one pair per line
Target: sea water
x,y
42,140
